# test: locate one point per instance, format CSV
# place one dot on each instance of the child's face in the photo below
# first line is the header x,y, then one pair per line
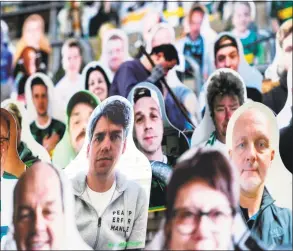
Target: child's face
x,y
241,17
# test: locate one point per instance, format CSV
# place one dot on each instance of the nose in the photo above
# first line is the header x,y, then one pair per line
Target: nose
x,y
228,114
39,224
251,154
227,62
147,124
203,228
106,143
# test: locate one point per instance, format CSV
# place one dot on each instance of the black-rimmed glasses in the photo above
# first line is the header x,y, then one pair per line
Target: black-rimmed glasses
x,y
187,220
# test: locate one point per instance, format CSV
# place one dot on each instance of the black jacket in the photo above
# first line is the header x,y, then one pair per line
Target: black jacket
x,y
276,98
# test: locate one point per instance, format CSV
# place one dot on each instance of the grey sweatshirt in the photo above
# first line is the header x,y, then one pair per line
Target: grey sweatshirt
x,y
124,221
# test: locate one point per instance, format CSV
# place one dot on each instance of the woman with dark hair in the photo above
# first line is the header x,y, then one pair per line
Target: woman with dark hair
x,y
203,185
96,80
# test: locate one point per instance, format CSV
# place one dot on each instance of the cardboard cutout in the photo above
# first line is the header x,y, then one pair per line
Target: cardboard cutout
x,y
37,150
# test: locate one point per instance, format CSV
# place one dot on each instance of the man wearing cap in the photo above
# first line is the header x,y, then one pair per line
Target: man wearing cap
x,y
79,110
46,130
111,211
132,72
228,53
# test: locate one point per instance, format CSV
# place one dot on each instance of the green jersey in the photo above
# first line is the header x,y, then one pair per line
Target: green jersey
x,y
39,132
281,10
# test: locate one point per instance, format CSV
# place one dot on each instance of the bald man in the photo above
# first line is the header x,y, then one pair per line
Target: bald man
x,y
253,152
39,216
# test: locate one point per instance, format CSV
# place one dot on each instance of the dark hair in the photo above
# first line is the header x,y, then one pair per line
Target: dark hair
x,y
113,37
117,112
169,51
211,167
219,43
196,8
13,109
38,81
71,43
7,120
96,68
224,84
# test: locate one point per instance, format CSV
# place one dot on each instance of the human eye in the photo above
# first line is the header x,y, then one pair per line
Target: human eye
x,y
221,58
115,137
99,137
25,214
76,122
241,145
138,119
262,143
220,109
154,116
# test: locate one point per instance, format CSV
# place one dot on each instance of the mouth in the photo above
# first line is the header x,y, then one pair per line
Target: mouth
x,y
149,137
105,159
39,245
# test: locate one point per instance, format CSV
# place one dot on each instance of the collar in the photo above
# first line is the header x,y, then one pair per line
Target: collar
x,y
45,126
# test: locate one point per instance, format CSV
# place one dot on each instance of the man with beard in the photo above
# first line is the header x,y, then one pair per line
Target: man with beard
x,y
111,211
276,98
79,110
46,130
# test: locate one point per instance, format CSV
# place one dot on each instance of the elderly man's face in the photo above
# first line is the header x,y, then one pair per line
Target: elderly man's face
x,y
251,149
38,212
287,50
4,143
227,57
148,125
79,118
191,232
224,107
106,146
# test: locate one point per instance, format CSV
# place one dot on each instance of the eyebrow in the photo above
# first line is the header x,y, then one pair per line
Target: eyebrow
x,y
141,113
234,104
103,132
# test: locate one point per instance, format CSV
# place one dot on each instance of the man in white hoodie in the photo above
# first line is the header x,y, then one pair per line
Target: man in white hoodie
x,y
111,211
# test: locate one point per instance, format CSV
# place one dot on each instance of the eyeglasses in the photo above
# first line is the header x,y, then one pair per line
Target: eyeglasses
x,y
3,140
187,220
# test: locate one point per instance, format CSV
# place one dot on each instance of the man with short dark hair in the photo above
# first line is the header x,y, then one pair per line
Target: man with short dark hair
x,y
111,211
46,130
225,93
135,71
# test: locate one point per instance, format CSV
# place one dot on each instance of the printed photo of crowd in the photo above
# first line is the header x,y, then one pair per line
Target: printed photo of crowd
x,y
165,125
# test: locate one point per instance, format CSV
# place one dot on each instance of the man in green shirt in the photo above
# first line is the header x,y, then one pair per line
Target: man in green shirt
x,y
46,130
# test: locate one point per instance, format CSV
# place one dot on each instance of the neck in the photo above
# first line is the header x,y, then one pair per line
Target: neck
x,y
251,200
146,63
221,138
157,155
193,36
72,76
100,183
42,120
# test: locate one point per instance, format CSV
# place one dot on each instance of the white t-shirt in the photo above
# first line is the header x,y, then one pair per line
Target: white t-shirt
x,y
100,201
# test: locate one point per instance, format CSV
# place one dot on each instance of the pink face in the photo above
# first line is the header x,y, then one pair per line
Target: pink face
x,y
116,53
251,151
33,33
224,107
227,57
72,60
97,85
241,17
195,23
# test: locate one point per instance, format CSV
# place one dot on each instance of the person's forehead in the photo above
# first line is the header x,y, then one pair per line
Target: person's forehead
x,y
39,88
145,104
106,124
4,127
114,43
232,99
79,108
226,50
252,120
34,187
95,73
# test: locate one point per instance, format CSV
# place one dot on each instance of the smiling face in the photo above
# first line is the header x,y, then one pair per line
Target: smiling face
x,y
227,57
97,85
148,125
224,107
106,146
241,17
79,118
211,232
251,151
38,212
